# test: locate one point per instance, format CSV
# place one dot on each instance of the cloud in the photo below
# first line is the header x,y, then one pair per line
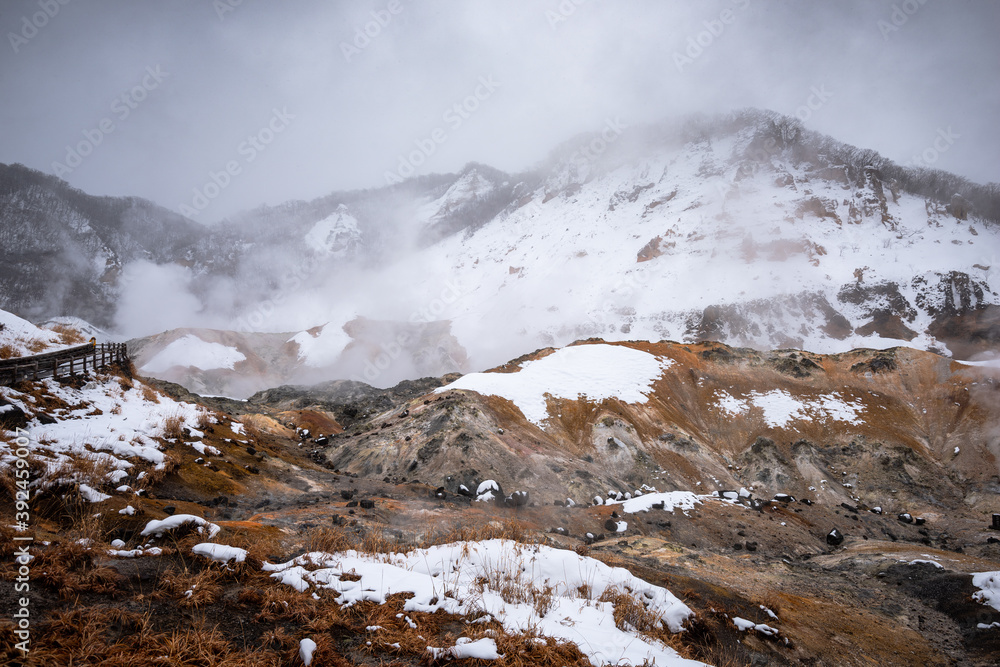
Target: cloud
x,y
355,115
155,298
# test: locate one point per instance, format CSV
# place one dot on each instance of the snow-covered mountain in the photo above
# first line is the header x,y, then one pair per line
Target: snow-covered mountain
x,y
62,251
745,228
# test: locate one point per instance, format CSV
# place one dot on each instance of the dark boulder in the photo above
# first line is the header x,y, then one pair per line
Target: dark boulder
x,y
834,538
12,417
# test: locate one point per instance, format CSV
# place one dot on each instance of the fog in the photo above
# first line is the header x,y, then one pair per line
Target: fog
x,y
212,108
299,101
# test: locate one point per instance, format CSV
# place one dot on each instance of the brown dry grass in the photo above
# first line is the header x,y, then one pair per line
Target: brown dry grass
x,y
68,335
149,394
172,427
205,419
191,589
116,638
70,570
8,351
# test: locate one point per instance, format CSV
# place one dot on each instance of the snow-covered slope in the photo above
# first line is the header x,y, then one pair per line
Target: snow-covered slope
x,y
702,242
19,337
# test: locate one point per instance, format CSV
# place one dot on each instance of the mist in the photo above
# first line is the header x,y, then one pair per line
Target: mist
x,y
210,108
310,138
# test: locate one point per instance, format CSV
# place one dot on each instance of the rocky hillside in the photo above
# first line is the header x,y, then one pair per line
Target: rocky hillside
x,y
770,504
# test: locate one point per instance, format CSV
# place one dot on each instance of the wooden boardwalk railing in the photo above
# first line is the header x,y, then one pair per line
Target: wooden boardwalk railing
x,y
62,362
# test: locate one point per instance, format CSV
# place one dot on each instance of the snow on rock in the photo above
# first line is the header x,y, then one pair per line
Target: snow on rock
x,y
134,553
219,552
487,490
194,352
743,625
306,649
988,584
336,235
596,372
458,566
157,527
482,649
92,495
779,407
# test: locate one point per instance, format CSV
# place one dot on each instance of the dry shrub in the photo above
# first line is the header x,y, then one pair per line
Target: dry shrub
x,y
117,638
205,420
195,646
529,648
281,603
509,582
70,569
509,529
629,611
329,540
190,589
58,496
125,383
68,335
149,394
36,346
377,542
772,601
172,427
8,351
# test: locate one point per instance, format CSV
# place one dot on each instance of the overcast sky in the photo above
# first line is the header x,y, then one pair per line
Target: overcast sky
x,y
299,102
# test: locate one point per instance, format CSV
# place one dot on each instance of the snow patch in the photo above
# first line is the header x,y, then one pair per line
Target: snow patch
x,y
194,352
595,372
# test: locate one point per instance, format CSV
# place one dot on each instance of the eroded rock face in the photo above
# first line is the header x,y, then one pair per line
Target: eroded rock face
x,y
840,428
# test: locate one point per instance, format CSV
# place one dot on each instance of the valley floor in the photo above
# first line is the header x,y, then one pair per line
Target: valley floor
x,y
320,559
